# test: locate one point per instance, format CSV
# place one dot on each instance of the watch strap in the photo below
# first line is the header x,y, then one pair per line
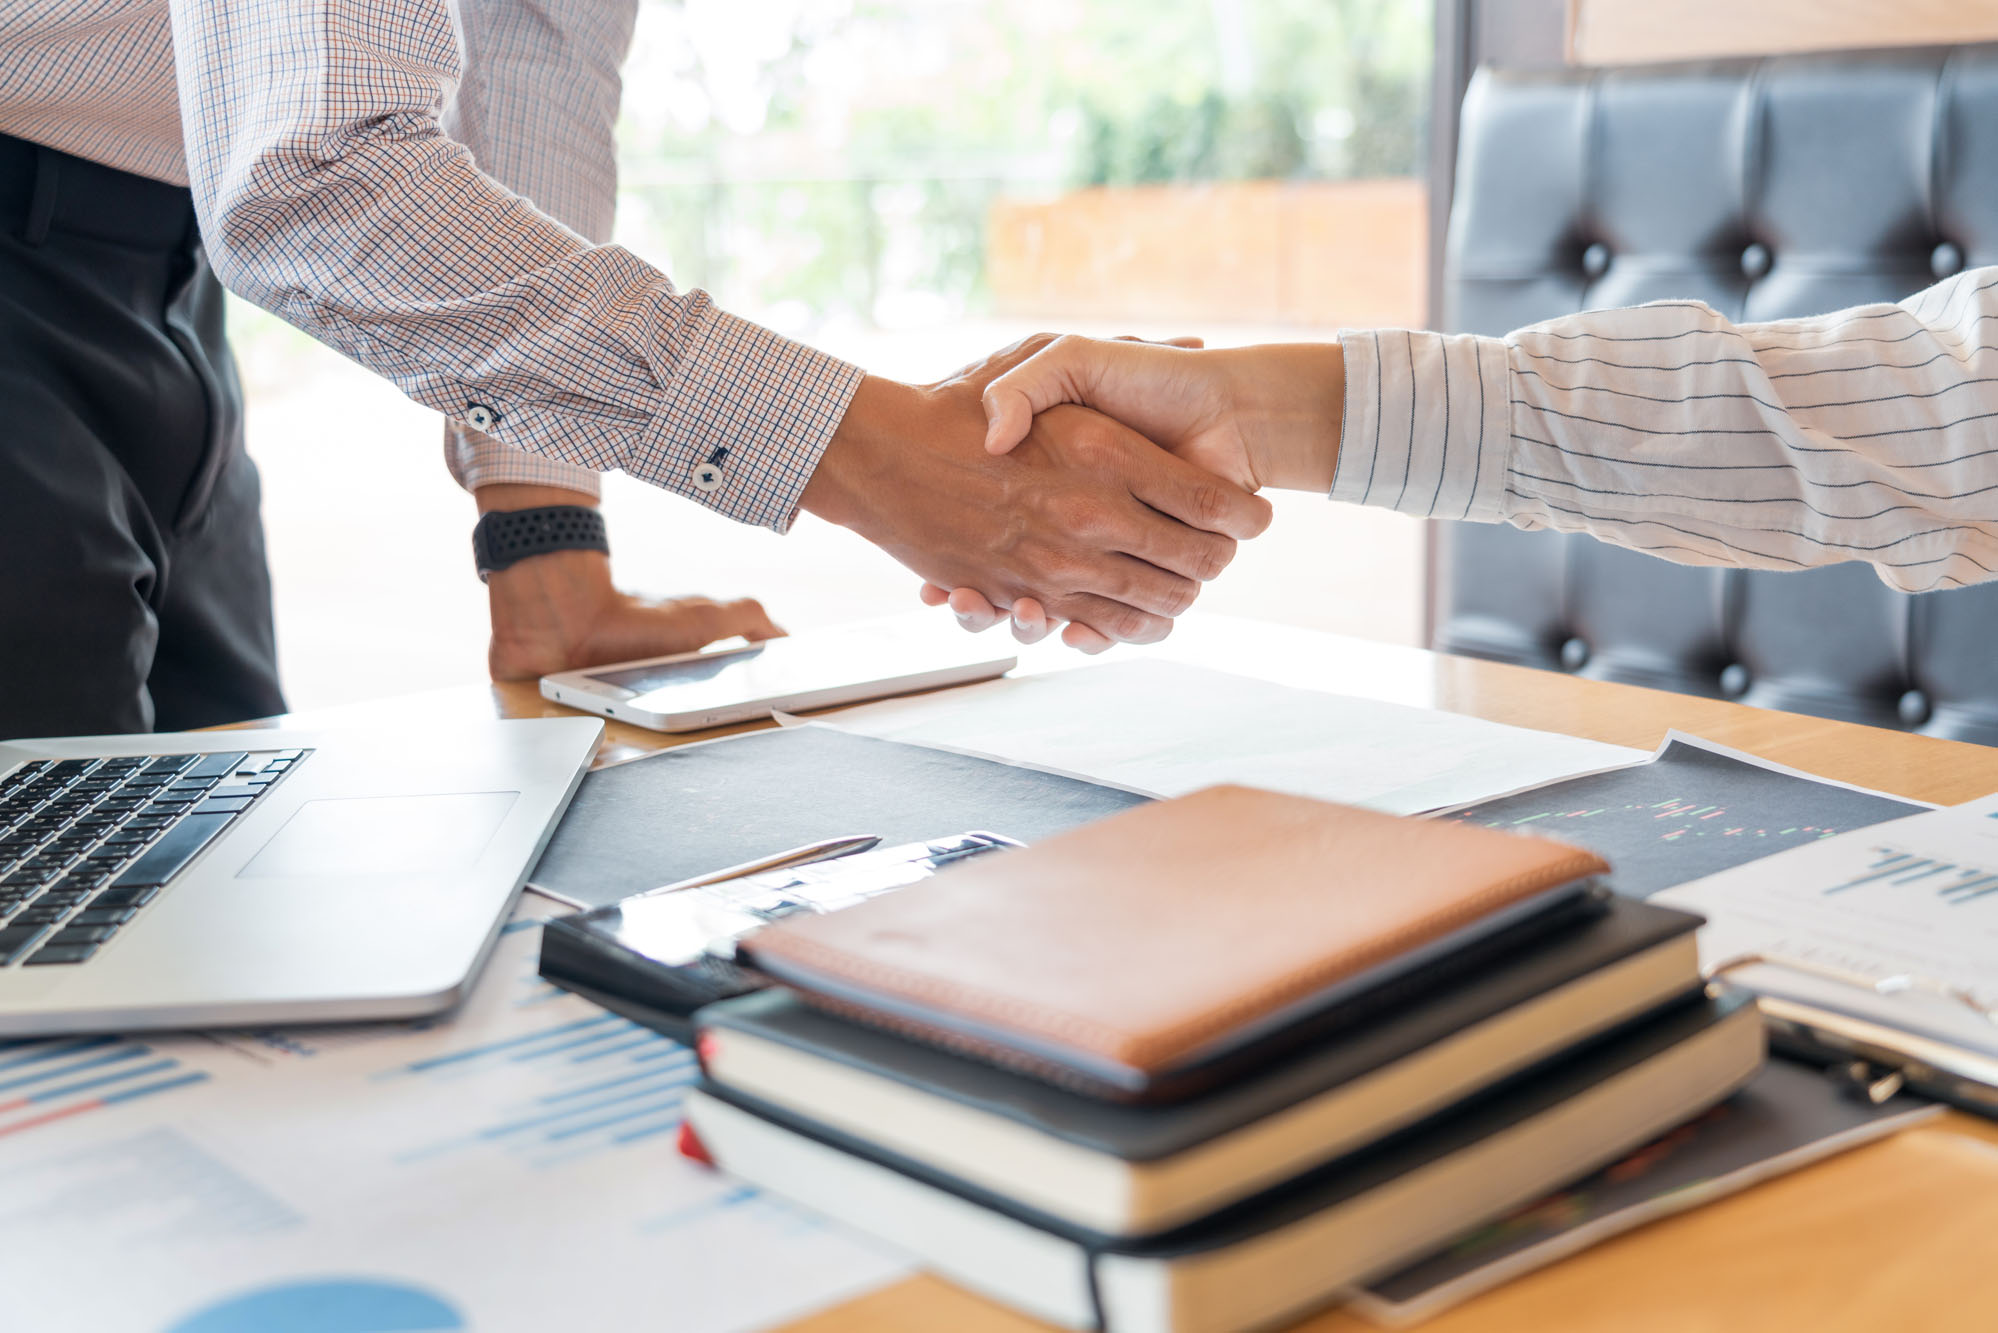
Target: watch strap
x,y
505,537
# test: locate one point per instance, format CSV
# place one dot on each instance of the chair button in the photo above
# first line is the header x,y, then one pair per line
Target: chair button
x,y
1734,680
1945,260
1914,708
1595,260
1574,655
1755,261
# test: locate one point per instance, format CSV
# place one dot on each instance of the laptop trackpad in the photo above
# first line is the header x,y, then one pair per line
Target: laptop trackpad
x,y
383,835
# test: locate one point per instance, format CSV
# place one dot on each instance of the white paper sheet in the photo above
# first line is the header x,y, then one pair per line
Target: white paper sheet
x,y
1165,728
510,1168
1909,906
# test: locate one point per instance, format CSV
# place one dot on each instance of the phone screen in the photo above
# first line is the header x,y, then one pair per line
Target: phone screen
x,y
813,661
658,675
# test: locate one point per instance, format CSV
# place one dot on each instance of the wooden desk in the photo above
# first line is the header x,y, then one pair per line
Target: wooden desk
x,y
1893,1236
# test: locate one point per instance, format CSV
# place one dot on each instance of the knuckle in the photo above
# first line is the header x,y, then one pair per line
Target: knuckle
x,y
1126,623
1212,558
1178,597
1208,503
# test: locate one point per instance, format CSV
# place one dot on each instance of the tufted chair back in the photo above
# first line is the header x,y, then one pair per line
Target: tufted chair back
x,y
1769,189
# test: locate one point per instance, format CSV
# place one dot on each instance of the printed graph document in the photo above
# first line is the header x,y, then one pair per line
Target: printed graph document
x,y
1895,924
512,1167
1692,809
1167,729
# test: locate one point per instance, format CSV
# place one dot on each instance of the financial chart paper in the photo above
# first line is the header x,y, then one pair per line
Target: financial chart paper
x,y
510,1167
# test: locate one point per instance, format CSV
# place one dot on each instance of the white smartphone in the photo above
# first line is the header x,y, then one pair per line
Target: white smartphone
x,y
815,669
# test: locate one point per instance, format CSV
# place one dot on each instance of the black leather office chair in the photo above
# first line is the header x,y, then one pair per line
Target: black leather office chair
x,y
1770,189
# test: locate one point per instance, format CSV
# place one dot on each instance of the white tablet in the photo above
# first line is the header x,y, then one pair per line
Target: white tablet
x,y
815,669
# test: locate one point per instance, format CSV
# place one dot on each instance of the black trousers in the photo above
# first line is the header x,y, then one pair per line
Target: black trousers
x,y
133,590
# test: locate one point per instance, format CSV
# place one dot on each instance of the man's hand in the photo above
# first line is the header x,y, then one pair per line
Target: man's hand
x,y
560,611
1258,416
1084,514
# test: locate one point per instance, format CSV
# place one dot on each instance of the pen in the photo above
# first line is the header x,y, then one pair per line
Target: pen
x,y
824,850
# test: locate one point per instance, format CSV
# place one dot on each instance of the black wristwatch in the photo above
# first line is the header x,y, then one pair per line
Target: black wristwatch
x,y
507,537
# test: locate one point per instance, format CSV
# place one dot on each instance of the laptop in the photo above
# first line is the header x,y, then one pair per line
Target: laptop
x,y
222,879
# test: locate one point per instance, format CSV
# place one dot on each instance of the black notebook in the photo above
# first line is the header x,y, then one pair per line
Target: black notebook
x,y
1274,1256
1122,1169
700,808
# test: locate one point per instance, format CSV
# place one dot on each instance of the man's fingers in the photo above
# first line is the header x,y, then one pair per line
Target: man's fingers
x,y
973,611
746,617
932,595
1084,639
1031,622
1135,583
1173,546
1198,498
1116,621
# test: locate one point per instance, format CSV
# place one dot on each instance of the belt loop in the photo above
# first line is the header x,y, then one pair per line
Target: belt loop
x,y
42,201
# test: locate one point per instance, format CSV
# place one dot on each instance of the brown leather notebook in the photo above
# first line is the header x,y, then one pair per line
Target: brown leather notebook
x,y
1151,954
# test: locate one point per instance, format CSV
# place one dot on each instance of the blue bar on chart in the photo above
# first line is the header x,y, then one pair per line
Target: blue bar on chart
x,y
590,1084
1951,881
43,1081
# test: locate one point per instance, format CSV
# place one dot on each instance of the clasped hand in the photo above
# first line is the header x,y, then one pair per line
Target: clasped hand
x,y
1254,417
1081,514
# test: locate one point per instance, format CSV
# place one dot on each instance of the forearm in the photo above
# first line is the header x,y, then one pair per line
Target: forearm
x,y
1863,435
508,496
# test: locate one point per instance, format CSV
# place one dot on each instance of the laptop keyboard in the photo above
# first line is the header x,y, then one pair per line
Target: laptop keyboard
x,y
86,843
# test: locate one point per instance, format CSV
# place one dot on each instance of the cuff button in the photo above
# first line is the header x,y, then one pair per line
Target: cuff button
x,y
480,417
707,477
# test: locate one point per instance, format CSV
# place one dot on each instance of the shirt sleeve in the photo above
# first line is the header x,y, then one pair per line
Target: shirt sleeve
x,y
329,193
537,109
1870,434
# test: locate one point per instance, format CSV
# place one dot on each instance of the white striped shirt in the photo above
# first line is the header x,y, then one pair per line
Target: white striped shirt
x,y
1870,434
330,191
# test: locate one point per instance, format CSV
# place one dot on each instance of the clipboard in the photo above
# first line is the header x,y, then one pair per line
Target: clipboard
x,y
1869,1059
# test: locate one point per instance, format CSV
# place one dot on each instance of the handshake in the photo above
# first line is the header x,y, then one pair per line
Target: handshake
x,y
1084,482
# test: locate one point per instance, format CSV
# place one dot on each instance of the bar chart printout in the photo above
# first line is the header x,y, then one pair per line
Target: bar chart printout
x,y
512,1163
1688,813
1896,924
46,1081
574,1085
1892,869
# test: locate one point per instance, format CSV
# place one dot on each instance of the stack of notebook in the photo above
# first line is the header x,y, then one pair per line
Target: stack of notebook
x,y
1212,1061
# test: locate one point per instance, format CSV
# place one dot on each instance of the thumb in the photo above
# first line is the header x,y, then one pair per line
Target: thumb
x,y
1061,372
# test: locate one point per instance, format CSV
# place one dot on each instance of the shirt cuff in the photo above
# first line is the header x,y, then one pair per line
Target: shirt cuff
x,y
1428,424
479,460
746,419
